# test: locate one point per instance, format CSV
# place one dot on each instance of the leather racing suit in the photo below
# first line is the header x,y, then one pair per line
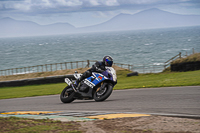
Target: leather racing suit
x,y
99,67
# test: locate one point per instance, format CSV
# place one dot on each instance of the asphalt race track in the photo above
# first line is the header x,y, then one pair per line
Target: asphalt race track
x,y
168,100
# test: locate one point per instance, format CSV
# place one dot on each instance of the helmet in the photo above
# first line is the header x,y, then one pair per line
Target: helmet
x,y
108,60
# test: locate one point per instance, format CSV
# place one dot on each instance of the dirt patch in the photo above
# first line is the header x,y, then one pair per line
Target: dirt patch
x,y
152,124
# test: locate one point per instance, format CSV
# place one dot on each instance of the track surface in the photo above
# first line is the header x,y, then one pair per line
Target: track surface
x,y
168,100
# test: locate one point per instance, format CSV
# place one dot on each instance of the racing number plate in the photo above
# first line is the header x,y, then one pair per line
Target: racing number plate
x,y
68,81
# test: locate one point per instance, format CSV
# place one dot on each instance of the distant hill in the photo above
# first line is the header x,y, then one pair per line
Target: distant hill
x,y
147,19
11,27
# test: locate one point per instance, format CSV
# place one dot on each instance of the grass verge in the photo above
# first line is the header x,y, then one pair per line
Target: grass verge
x,y
191,58
166,79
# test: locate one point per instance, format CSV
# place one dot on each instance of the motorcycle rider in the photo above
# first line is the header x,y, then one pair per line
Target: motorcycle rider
x,y
99,67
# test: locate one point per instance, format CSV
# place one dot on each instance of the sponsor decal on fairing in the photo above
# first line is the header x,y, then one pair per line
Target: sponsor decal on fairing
x,y
90,84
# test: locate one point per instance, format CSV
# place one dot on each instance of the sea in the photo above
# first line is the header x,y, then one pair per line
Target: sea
x,y
154,46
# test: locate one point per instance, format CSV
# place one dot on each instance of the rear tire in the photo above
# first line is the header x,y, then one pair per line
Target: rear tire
x,y
67,97
104,95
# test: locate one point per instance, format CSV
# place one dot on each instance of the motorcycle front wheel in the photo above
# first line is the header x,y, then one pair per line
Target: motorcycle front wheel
x,y
103,93
67,96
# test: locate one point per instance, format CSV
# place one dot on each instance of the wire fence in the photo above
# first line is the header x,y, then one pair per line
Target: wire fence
x,y
149,68
144,68
141,68
55,67
46,68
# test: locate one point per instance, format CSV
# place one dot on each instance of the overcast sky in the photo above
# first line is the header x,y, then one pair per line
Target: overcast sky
x,y
82,13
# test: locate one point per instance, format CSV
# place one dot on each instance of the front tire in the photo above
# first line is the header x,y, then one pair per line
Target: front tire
x,y
67,97
102,95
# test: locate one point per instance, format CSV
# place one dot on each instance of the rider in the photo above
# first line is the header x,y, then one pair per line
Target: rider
x,y
99,66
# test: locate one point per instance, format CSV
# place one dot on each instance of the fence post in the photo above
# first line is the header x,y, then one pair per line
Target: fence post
x,y
61,66
71,65
143,68
51,67
38,68
179,54
46,67
88,63
65,65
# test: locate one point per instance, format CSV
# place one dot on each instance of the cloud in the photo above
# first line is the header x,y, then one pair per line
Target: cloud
x,y
67,6
87,12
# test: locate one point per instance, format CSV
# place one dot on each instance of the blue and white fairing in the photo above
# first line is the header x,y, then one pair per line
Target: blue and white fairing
x,y
110,73
97,78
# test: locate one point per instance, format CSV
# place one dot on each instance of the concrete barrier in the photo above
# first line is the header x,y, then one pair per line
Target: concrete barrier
x,y
42,80
186,66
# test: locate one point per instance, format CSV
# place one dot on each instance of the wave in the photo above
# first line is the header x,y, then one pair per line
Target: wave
x,y
148,44
158,64
186,49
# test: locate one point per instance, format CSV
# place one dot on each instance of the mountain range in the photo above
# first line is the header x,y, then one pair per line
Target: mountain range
x,y
147,19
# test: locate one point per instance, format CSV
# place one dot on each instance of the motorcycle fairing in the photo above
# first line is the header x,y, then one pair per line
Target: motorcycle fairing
x,y
97,78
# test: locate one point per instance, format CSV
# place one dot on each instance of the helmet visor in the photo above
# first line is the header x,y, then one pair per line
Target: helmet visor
x,y
109,62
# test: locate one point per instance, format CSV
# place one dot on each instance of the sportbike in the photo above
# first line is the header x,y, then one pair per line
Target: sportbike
x,y
99,86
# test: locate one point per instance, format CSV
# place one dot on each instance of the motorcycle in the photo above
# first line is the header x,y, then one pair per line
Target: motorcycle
x,y
99,86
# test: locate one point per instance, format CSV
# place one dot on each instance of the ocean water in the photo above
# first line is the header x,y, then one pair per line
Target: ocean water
x,y
128,47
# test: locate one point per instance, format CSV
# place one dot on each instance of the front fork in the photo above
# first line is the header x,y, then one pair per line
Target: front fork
x,y
69,82
73,88
103,85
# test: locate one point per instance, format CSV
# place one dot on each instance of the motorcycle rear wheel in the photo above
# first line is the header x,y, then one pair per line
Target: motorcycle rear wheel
x,y
102,95
67,97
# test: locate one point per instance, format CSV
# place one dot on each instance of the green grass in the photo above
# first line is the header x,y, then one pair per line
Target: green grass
x,y
32,90
166,79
